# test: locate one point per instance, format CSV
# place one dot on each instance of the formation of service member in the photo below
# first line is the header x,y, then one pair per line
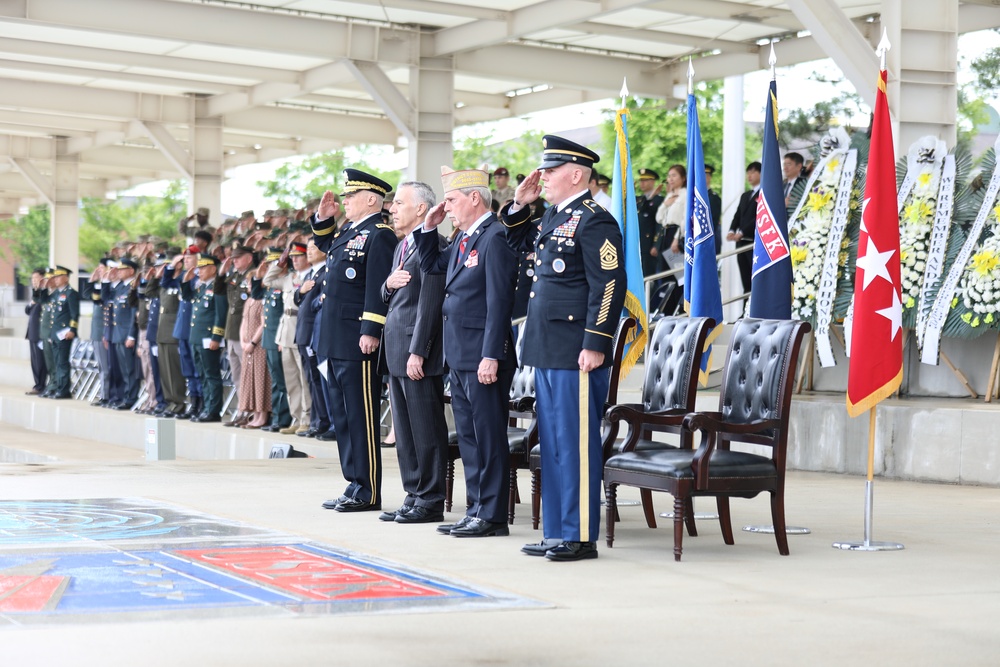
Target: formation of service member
x,y
168,349
480,272
182,331
414,358
274,307
33,310
235,271
572,317
359,259
647,203
124,331
288,279
65,305
208,328
307,298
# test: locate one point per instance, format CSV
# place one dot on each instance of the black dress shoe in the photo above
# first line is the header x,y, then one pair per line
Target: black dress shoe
x,y
481,528
539,548
32,392
120,406
448,527
329,436
421,515
206,418
391,516
270,428
311,433
355,505
99,403
62,396
387,445
573,551
332,504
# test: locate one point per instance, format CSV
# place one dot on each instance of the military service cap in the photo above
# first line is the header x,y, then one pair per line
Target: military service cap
x,y
203,212
648,175
281,212
59,271
359,181
128,263
273,254
559,151
240,250
206,259
501,171
246,214
297,249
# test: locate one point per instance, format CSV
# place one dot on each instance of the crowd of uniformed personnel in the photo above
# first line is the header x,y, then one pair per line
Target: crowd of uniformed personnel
x,y
361,285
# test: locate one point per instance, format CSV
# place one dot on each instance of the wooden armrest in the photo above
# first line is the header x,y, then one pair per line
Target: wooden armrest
x,y
523,404
716,422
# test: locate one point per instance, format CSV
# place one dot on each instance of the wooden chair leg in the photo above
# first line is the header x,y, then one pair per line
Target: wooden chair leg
x,y
647,507
611,501
778,519
725,521
536,497
680,505
689,518
511,495
449,484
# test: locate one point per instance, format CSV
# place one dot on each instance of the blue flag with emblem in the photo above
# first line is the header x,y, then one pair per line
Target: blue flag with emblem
x,y
771,289
624,211
702,292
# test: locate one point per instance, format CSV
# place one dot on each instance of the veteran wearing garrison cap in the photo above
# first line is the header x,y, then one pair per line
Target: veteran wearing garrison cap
x,y
573,312
65,304
359,259
480,274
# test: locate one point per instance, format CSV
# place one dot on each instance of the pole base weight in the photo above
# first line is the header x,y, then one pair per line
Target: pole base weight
x,y
868,546
769,530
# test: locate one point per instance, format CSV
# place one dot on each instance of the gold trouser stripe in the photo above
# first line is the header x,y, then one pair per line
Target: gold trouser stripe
x,y
584,406
366,383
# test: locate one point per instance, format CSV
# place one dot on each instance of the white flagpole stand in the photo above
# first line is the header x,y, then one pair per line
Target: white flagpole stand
x,y
868,544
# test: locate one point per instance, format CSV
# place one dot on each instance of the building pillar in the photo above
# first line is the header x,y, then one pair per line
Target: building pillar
x,y
64,232
432,84
206,150
923,90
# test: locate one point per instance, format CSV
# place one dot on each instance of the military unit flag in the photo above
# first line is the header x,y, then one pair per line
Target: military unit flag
x,y
624,210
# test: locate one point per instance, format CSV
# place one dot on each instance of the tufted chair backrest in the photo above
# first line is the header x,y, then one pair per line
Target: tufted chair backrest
x,y
673,360
761,358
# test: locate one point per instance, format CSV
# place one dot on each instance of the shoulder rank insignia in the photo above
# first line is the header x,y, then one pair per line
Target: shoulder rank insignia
x,y
609,256
383,226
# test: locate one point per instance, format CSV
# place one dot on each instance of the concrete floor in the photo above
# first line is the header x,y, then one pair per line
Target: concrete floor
x,y
935,603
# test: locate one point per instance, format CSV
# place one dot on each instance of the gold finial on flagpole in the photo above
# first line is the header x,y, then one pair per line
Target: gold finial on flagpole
x,y
883,48
772,60
624,91
690,76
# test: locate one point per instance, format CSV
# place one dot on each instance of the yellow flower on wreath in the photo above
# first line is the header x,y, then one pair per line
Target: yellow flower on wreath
x,y
917,211
924,179
984,262
799,255
819,200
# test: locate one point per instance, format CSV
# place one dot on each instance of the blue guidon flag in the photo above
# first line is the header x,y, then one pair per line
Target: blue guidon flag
x,y
702,292
771,289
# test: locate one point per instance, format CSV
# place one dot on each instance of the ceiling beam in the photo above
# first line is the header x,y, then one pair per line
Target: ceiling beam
x,y
268,92
41,183
730,11
188,85
385,93
694,42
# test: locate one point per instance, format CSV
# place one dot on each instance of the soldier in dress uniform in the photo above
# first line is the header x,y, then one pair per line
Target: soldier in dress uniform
x,y
64,302
235,271
124,330
182,333
168,349
34,312
274,308
480,271
45,335
647,203
92,292
288,279
359,259
306,297
208,328
572,317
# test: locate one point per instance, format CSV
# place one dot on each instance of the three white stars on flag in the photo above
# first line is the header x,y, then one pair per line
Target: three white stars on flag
x,y
873,263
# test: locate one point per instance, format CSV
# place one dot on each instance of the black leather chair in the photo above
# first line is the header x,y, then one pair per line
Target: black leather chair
x,y
669,391
754,402
535,463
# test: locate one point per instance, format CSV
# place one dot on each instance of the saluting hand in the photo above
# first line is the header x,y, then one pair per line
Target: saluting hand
x,y
530,189
328,207
435,216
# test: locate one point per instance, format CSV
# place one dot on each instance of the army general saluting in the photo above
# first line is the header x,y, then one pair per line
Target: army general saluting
x,y
359,259
573,312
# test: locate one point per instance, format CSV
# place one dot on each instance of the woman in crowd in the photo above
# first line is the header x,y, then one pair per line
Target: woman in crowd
x,y
255,383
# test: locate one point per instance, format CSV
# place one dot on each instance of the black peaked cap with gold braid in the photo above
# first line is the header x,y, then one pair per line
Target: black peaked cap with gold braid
x,y
559,151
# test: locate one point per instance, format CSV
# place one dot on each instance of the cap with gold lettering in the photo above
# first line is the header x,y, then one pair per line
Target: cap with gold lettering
x,y
466,178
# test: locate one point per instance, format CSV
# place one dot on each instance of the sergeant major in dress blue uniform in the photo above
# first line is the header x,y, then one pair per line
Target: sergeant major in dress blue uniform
x,y
573,313
359,259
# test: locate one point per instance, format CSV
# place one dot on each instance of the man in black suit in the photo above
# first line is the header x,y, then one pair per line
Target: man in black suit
x,y
744,223
34,312
413,354
795,182
572,317
481,270
306,299
647,203
359,259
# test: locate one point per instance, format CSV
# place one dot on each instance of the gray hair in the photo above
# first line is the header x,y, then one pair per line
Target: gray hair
x,y
421,191
484,194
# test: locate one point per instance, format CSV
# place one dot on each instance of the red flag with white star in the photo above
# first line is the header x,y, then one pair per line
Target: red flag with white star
x,y
876,369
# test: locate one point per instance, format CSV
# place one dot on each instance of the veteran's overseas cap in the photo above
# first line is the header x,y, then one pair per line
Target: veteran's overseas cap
x,y
559,151
466,178
359,181
648,175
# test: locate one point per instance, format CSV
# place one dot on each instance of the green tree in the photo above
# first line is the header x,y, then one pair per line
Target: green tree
x,y
295,183
519,155
28,239
105,222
